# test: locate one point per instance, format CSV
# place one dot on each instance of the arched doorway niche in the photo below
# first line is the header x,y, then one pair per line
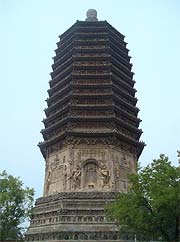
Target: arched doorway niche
x,y
90,174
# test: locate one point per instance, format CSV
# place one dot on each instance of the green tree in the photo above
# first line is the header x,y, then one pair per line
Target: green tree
x,y
15,206
151,206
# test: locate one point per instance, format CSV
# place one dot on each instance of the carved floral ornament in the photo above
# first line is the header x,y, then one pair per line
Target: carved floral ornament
x,y
71,140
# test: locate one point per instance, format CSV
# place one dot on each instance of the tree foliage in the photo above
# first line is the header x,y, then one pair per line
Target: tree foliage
x,y
15,206
151,207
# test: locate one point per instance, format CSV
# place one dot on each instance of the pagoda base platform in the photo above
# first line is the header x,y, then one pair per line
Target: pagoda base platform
x,y
73,216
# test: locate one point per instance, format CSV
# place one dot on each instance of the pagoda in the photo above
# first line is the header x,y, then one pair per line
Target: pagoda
x,y
91,135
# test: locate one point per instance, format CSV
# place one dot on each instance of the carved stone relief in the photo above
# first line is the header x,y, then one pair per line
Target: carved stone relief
x,y
68,170
105,176
110,141
76,178
91,153
57,172
48,181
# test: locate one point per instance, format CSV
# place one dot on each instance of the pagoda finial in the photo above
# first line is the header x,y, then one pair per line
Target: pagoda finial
x,y
91,15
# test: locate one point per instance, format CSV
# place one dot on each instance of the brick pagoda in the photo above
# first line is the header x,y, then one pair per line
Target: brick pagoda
x,y
91,134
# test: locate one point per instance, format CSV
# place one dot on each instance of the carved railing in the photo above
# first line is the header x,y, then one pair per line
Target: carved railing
x,y
92,91
92,40
91,82
93,94
70,219
91,63
81,102
91,47
91,72
91,33
94,55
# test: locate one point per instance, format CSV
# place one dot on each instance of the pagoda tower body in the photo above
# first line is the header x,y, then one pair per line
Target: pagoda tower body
x,y
91,135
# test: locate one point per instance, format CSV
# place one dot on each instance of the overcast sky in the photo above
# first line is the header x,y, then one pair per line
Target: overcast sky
x,y
29,33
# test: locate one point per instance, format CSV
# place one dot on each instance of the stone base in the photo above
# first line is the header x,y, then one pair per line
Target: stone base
x,y
73,216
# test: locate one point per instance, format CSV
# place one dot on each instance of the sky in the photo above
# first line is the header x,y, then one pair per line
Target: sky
x,y
29,33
